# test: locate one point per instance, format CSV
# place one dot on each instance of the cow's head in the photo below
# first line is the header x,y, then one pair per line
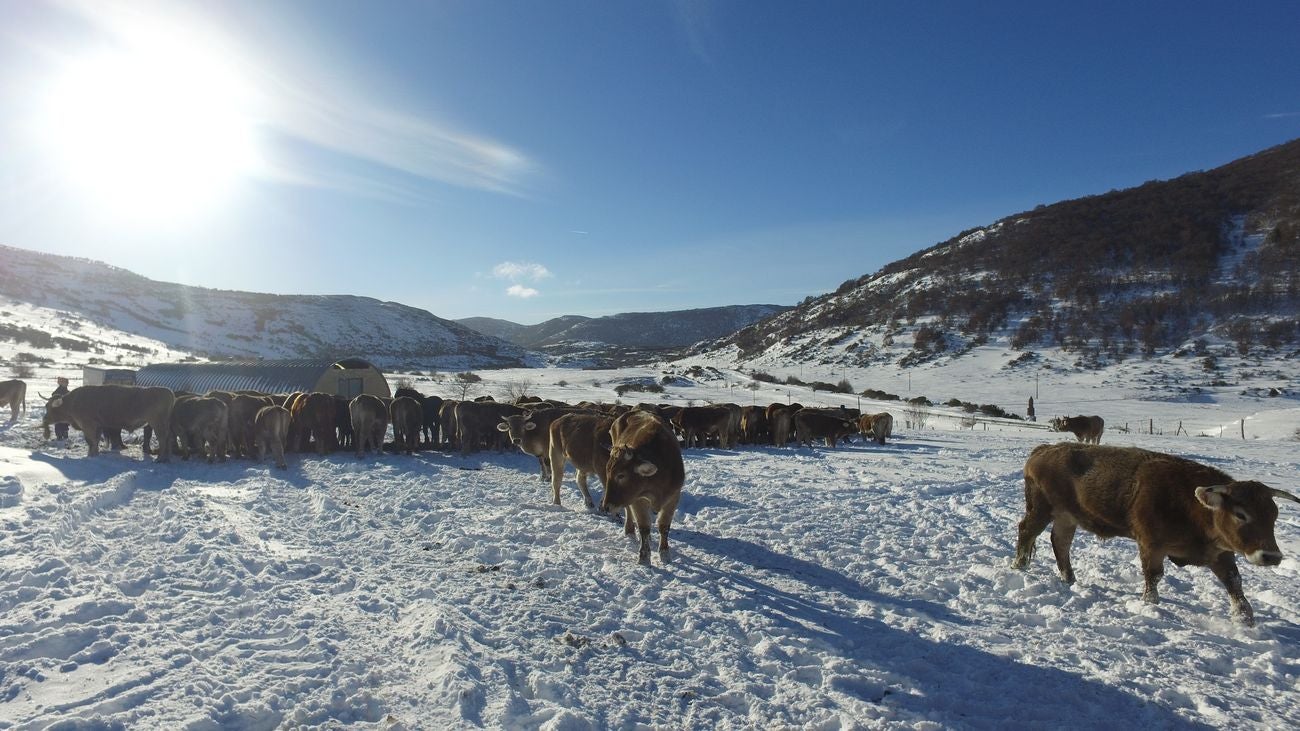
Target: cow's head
x,y
55,413
627,471
1244,514
517,425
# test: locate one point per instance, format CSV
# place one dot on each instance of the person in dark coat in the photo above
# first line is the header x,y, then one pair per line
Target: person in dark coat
x,y
60,430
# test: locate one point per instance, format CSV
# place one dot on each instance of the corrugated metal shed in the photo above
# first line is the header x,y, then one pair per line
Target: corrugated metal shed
x,y
347,377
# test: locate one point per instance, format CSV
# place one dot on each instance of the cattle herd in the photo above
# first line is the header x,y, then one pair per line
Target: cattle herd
x,y
1172,507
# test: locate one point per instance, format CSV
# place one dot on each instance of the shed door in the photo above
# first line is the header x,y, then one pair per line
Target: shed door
x,y
351,387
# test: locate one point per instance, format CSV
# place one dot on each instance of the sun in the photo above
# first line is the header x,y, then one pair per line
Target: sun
x,y
154,132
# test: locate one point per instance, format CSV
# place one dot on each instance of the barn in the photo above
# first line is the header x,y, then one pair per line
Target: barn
x,y
347,377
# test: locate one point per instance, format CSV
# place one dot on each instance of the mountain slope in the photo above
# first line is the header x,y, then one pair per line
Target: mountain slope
x,y
1209,255
629,329
220,323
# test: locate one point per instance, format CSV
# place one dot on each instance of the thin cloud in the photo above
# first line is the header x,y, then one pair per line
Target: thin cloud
x,y
522,292
1281,115
516,271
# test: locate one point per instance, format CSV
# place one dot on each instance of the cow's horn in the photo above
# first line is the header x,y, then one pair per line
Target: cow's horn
x,y
1283,494
43,396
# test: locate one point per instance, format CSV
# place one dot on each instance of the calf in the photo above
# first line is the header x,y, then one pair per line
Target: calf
x,y
876,426
1173,507
644,474
582,439
270,429
531,432
13,394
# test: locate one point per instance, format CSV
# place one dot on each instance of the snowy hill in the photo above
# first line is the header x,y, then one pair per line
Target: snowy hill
x,y
625,338
219,323
1212,256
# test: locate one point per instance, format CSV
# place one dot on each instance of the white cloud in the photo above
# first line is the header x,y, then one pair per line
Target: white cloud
x,y
520,270
522,292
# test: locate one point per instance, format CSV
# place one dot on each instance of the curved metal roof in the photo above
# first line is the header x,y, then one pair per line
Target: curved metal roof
x,y
267,376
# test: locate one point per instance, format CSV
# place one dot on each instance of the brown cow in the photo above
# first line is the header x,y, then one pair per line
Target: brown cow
x,y
531,432
1173,507
753,425
91,408
781,422
369,423
476,424
645,473
447,419
406,414
201,423
825,424
1086,429
876,426
697,423
313,415
13,394
270,429
580,438
241,414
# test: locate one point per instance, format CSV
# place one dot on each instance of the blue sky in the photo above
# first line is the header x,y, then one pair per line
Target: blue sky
x,y
525,160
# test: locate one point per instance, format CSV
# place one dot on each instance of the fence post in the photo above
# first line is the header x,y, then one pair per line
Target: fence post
x,y
1243,428
1151,426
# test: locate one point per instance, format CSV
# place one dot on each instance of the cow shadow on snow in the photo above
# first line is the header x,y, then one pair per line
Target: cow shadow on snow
x,y
109,464
956,685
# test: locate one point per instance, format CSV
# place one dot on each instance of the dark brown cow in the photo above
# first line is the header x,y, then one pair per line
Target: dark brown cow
x,y
241,413
876,426
580,438
13,394
270,429
780,420
645,474
447,420
369,423
343,422
697,423
91,408
531,432
313,415
406,414
1086,429
1173,507
825,424
201,424
476,424
753,425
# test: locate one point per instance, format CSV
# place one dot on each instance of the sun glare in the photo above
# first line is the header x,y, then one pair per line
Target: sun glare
x,y
157,132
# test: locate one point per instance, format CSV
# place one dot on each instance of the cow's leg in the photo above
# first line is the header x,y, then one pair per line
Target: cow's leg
x,y
278,447
1153,567
1063,527
557,471
586,494
1037,515
91,433
641,512
1225,567
666,512
544,462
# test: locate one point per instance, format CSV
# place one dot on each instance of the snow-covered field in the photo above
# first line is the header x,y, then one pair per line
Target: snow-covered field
x,y
866,586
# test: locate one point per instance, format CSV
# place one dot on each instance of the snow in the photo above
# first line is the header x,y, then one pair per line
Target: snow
x,y
862,587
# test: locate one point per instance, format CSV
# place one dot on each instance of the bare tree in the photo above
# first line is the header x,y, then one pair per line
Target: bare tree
x,y
468,383
514,391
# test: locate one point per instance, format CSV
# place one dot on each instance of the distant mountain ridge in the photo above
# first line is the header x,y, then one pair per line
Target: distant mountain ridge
x,y
638,331
222,324
1208,257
